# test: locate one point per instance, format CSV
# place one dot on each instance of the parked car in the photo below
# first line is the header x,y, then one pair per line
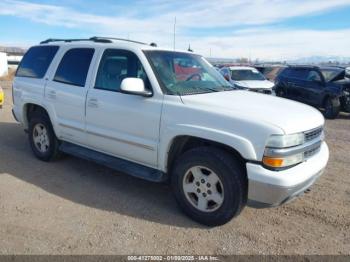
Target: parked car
x,y
128,106
2,97
323,87
249,78
270,71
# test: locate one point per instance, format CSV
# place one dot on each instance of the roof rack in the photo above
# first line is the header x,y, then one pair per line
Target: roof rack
x,y
97,39
74,40
101,38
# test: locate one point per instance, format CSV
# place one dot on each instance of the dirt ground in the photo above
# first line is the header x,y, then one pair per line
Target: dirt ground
x,y
72,206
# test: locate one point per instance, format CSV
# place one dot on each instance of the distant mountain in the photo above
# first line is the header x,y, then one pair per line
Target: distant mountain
x,y
321,59
333,60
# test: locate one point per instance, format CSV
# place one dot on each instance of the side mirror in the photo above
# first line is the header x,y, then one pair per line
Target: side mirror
x,y
134,86
227,77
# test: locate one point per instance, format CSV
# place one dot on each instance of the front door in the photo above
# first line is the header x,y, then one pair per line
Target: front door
x,y
123,125
313,88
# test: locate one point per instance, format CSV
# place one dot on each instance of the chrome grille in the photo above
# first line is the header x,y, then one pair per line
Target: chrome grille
x,y
313,151
312,134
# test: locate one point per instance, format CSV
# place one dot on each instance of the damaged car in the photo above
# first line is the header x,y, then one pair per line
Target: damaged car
x,y
322,87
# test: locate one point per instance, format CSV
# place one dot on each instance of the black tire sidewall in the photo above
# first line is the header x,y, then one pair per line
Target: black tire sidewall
x,y
53,147
280,92
234,192
332,108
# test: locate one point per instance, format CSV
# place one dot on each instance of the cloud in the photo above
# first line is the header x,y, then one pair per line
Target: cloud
x,y
276,44
153,21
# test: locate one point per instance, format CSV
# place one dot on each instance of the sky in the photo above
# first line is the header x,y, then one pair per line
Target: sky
x,y
263,29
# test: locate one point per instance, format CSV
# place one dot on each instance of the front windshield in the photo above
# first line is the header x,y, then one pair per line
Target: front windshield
x,y
331,73
186,74
246,74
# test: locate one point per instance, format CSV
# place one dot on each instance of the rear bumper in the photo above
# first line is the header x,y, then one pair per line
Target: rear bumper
x,y
268,188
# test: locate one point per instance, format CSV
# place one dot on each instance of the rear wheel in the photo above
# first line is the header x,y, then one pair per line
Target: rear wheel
x,y
42,138
332,108
209,185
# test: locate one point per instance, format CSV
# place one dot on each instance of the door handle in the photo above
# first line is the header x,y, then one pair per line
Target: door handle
x,y
52,94
92,102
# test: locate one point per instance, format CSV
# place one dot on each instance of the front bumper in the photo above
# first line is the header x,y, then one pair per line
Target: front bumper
x,y
268,188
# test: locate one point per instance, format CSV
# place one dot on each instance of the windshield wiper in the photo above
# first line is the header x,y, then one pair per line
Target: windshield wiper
x,y
229,88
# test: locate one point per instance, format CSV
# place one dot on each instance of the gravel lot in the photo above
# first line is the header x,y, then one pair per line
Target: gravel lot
x,y
72,206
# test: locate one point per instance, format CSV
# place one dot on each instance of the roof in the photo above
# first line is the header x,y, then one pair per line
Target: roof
x,y
317,67
103,41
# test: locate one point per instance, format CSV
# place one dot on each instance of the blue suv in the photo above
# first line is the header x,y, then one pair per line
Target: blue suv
x,y
322,87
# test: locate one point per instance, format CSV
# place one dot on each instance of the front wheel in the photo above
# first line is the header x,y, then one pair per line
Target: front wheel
x,y
332,108
209,185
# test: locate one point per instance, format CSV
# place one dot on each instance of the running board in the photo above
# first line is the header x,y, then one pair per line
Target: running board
x,y
115,163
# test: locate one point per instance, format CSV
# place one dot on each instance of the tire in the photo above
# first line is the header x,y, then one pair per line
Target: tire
x,y
332,108
230,192
49,151
280,92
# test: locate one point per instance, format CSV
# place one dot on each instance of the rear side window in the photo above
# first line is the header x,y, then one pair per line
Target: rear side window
x,y
74,66
298,73
36,61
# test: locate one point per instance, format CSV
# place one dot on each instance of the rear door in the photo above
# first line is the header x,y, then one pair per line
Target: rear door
x,y
122,125
66,92
296,83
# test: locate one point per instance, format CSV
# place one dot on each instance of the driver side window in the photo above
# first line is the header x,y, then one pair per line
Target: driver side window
x,y
314,76
116,65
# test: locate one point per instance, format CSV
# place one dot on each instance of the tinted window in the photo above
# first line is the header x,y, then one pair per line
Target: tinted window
x,y
116,65
299,73
36,61
313,76
285,72
74,66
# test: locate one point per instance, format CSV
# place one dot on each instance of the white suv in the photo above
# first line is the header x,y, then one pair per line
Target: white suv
x,y
166,115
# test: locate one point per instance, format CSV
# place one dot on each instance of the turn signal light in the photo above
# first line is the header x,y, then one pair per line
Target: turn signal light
x,y
273,162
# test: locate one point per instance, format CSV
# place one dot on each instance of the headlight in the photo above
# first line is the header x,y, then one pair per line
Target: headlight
x,y
282,141
276,143
282,162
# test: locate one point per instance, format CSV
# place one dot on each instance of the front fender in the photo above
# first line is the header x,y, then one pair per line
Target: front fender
x,y
240,144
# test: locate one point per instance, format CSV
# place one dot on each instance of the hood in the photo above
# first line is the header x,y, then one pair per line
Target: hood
x,y
290,116
261,84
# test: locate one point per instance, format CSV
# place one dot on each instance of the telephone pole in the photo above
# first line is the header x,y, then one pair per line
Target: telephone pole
x,y
174,33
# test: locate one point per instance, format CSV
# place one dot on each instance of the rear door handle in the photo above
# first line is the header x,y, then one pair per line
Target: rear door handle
x,y
52,94
93,103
